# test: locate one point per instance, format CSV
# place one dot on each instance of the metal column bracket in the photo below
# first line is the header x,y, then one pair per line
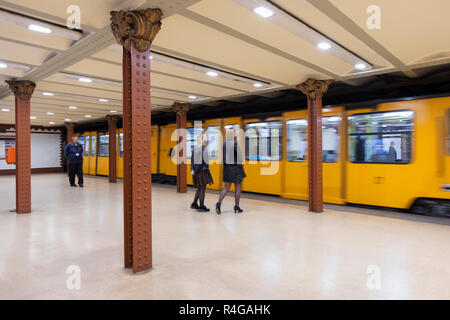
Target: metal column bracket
x,y
181,110
23,89
314,90
135,30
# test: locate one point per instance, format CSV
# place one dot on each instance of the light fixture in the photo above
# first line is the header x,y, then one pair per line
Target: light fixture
x,y
48,94
113,111
35,27
32,117
50,113
88,116
103,100
51,122
67,120
3,65
73,107
5,110
192,97
212,74
151,57
257,85
360,66
263,12
324,46
87,80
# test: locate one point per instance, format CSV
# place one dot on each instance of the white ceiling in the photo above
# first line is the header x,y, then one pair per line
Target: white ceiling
x,y
225,36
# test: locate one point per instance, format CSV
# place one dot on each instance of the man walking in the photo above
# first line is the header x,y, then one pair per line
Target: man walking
x,y
74,154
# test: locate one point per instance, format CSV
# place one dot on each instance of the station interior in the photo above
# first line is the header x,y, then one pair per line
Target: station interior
x,y
341,109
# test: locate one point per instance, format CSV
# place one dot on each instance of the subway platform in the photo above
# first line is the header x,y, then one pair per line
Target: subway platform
x,y
276,249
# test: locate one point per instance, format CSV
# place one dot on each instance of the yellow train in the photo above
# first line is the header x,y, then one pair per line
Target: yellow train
x,y
393,155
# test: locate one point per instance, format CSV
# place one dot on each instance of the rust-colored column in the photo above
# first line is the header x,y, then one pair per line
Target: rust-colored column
x,y
69,131
112,129
314,90
23,89
181,110
135,30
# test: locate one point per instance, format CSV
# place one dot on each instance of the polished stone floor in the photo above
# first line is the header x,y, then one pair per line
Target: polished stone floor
x,y
274,250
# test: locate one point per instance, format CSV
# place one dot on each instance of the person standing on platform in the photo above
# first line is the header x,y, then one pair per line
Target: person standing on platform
x,y
74,154
233,171
201,175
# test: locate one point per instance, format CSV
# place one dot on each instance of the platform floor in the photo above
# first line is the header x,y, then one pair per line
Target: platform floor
x,y
274,250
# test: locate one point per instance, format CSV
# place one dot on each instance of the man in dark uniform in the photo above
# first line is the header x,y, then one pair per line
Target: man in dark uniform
x,y
74,154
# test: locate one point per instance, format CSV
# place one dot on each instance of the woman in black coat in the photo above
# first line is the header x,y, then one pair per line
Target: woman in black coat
x,y
233,171
201,175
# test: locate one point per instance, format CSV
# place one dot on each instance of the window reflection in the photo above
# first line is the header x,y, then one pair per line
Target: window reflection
x,y
383,137
86,146
214,135
191,140
263,141
93,146
103,146
121,144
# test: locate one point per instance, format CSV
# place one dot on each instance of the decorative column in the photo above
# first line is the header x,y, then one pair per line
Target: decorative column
x,y
181,110
23,89
112,129
69,129
314,90
135,31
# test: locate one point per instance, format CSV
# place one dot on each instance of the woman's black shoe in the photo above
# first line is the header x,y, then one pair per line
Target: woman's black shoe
x,y
202,209
218,208
237,209
194,205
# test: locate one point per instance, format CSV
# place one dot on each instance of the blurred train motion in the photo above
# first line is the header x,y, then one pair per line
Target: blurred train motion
x,y
394,155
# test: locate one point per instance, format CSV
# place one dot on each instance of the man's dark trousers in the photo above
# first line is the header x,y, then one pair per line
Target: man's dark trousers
x,y
76,169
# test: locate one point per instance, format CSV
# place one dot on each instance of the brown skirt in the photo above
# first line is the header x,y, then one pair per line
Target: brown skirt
x,y
202,178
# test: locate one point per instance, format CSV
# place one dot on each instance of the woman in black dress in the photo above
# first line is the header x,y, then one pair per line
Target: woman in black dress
x,y
201,175
233,171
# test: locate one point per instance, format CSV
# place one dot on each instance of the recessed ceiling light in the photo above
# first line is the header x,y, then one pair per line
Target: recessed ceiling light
x,y
88,116
151,57
73,107
263,12
51,122
50,113
360,66
41,29
87,80
67,120
3,65
113,111
192,97
257,85
5,110
103,100
48,94
32,117
324,46
212,74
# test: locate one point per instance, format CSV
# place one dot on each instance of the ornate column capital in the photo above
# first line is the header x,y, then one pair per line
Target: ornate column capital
x,y
181,107
140,26
70,125
22,88
112,119
314,88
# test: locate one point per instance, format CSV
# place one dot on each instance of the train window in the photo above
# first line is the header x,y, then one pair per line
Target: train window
x,y
81,141
448,132
191,140
121,144
103,146
298,141
86,146
263,141
93,146
384,137
214,137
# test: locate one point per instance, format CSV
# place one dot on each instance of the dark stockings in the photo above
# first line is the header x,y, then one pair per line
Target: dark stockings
x,y
237,192
200,195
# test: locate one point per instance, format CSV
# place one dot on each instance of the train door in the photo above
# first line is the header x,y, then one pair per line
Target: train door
x,y
103,154
232,123
86,151
446,184
93,154
263,156
119,153
381,167
191,144
166,165
154,147
214,132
